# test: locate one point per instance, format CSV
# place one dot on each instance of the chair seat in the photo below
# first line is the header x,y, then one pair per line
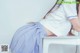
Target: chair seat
x,y
67,40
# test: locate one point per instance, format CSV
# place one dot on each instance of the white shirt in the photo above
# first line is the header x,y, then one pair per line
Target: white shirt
x,y
58,21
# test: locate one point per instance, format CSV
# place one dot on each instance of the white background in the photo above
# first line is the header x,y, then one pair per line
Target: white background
x,y
16,13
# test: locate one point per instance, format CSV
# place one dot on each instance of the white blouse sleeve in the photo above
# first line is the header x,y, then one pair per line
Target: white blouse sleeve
x,y
70,9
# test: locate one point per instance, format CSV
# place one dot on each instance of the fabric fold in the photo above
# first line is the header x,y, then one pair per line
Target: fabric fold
x,y
28,39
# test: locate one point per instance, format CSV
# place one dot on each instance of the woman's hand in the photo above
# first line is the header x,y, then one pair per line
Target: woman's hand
x,y
76,24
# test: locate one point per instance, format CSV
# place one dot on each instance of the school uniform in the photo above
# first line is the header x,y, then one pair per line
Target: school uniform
x,y
58,21
28,39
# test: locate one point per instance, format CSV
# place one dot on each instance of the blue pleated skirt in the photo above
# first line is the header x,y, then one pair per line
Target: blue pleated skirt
x,y
28,39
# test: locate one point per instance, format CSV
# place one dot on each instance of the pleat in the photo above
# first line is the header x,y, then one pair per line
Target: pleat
x,y
28,39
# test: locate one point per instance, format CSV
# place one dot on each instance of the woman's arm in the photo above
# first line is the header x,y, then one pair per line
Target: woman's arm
x,y
76,24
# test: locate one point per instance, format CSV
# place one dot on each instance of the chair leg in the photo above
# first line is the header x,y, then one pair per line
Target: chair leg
x,y
45,47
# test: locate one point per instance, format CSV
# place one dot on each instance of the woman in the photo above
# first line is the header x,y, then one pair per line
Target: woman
x,y
57,22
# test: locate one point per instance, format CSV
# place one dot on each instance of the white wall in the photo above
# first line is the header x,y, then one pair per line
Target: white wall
x,y
16,13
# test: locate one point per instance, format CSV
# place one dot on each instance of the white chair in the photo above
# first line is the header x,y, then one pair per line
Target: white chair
x,y
69,40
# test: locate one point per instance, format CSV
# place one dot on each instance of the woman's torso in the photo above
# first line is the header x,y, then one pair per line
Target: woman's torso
x,y
57,21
